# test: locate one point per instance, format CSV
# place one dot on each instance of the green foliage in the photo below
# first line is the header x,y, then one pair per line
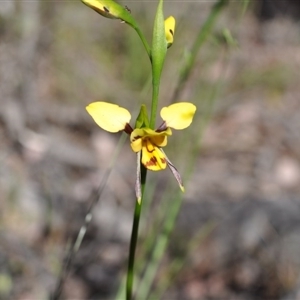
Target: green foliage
x,y
159,45
172,199
142,119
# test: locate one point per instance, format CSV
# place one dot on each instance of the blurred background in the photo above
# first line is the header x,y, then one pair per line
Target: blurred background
x,y
237,235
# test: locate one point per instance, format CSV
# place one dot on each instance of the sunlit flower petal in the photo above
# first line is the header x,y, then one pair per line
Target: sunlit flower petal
x,y
170,30
136,145
109,117
146,142
141,132
157,138
160,141
111,9
151,133
152,158
178,115
147,132
106,8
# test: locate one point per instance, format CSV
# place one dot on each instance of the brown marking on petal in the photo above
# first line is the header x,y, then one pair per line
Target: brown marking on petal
x,y
151,162
162,127
171,31
136,138
100,11
163,160
128,129
106,9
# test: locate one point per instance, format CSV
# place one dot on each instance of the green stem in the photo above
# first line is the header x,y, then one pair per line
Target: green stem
x,y
155,92
158,54
144,41
134,237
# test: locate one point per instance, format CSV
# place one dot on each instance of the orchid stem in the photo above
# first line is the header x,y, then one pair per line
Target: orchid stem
x,y
144,41
134,237
155,91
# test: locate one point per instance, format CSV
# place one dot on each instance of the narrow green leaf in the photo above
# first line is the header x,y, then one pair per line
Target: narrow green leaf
x,y
158,54
159,44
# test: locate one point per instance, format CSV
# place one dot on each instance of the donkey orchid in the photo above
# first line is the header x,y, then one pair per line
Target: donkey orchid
x,y
146,142
169,30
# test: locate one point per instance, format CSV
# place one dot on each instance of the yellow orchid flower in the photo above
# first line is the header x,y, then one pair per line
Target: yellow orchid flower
x,y
146,142
170,30
109,9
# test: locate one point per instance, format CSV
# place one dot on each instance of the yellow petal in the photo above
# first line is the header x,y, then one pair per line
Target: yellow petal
x,y
145,131
137,134
136,145
152,158
106,8
170,30
157,138
178,115
109,117
160,141
151,133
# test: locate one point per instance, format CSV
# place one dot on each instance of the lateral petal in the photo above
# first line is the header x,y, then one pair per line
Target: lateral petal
x,y
178,115
108,116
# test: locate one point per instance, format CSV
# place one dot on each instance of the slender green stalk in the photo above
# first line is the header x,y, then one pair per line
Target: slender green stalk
x,y
155,92
162,240
158,54
201,38
144,41
134,237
